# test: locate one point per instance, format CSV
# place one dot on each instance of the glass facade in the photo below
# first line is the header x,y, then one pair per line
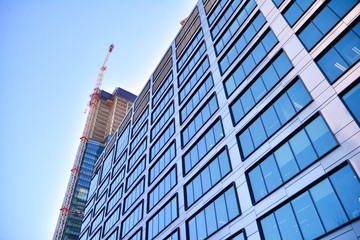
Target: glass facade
x,y
239,132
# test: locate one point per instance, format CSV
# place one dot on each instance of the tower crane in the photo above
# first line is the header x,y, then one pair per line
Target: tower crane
x,y
65,210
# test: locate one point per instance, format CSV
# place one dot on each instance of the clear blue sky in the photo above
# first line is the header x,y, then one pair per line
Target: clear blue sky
x,y
50,56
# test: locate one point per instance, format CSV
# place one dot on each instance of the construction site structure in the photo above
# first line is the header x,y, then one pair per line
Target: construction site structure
x,y
105,113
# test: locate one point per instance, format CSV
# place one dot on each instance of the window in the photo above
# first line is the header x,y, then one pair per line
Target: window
x,y
119,164
97,220
215,215
236,24
205,143
162,140
97,235
342,55
90,204
135,173
196,98
168,81
260,86
167,214
134,194
162,121
93,184
136,156
238,236
160,107
140,121
273,117
199,120
117,180
137,235
162,188
208,177
241,43
111,221
132,219
173,236
224,18
104,185
278,2
193,80
115,199
100,203
113,235
122,141
351,100
296,9
307,216
247,65
191,63
216,11
290,158
189,50
323,21
107,164
85,222
166,157
139,136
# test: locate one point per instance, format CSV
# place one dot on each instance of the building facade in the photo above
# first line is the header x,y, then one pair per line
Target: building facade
x,y
110,110
247,129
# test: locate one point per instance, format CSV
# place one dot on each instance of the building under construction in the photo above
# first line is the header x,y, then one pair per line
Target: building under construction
x,y
102,121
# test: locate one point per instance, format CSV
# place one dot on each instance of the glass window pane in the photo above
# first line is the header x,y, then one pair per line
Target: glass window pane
x,y
282,65
286,162
237,111
325,20
349,47
258,53
320,136
231,203
340,7
270,77
271,173
210,219
192,229
332,65
271,121
221,213
206,179
349,199
307,216
303,150
223,159
200,225
293,13
248,64
298,95
310,36
257,184
189,194
257,132
247,101
325,199
197,187
258,90
201,147
284,108
270,228
352,99
287,223
215,172
246,144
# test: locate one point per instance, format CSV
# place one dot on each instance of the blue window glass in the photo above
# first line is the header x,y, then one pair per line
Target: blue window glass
x,y
343,54
352,99
134,194
320,136
216,214
224,18
286,161
161,106
122,142
162,120
271,173
162,140
257,132
307,217
132,219
324,21
284,109
157,96
189,50
258,187
278,2
303,150
272,121
325,199
311,208
140,121
296,9
247,148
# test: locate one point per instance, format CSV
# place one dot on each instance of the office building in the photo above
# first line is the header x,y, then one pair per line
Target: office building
x,y
108,113
247,129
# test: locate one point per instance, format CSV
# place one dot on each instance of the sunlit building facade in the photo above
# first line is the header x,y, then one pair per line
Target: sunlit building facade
x,y
247,129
